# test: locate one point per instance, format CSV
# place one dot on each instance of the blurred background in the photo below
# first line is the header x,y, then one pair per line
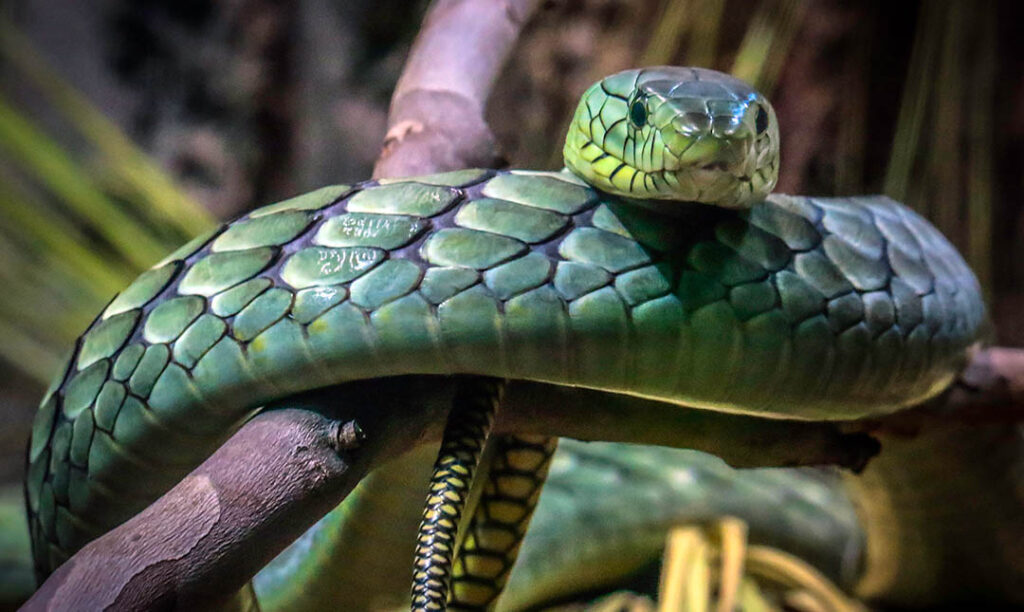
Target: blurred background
x,y
127,126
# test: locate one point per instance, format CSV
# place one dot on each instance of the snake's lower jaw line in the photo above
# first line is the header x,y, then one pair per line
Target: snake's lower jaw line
x,y
716,166
711,184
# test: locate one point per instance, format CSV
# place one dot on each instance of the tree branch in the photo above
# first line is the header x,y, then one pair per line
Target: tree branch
x,y
436,122
199,543
172,553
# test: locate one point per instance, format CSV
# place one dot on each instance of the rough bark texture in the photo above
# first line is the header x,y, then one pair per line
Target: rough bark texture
x,y
197,545
436,122
190,545
282,471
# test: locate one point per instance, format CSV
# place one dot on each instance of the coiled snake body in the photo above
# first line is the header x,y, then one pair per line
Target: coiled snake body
x,y
626,281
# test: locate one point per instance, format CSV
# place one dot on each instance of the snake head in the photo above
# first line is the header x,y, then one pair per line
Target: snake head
x,y
673,133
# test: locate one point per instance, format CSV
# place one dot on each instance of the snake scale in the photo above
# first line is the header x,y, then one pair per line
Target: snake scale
x,y
614,274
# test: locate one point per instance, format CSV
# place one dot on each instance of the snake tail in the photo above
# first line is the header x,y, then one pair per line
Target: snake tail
x,y
517,471
466,432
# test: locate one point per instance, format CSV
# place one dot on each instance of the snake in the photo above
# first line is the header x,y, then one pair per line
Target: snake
x,y
657,266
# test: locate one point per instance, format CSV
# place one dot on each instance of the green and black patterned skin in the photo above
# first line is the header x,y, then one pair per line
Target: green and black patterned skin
x,y
815,308
468,429
517,468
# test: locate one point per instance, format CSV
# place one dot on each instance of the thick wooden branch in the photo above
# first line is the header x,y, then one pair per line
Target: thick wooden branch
x,y
436,121
283,470
190,545
196,546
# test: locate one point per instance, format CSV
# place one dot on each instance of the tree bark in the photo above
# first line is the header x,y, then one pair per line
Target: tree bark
x,y
436,122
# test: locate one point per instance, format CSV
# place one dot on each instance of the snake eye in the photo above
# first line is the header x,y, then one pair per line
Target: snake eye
x,y
638,113
761,121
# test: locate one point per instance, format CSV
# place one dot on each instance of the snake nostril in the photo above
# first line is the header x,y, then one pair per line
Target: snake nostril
x,y
761,121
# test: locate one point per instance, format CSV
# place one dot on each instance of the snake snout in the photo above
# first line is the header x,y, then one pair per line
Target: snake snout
x,y
707,151
692,124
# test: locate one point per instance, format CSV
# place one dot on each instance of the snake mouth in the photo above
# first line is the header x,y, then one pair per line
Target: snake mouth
x,y
737,172
717,166
707,152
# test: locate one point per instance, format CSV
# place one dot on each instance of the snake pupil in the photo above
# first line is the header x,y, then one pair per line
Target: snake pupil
x,y
638,114
761,121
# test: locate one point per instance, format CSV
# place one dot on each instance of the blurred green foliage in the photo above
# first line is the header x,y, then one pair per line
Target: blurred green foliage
x,y
16,575
75,227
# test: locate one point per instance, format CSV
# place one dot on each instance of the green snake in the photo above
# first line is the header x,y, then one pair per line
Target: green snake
x,y
616,274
